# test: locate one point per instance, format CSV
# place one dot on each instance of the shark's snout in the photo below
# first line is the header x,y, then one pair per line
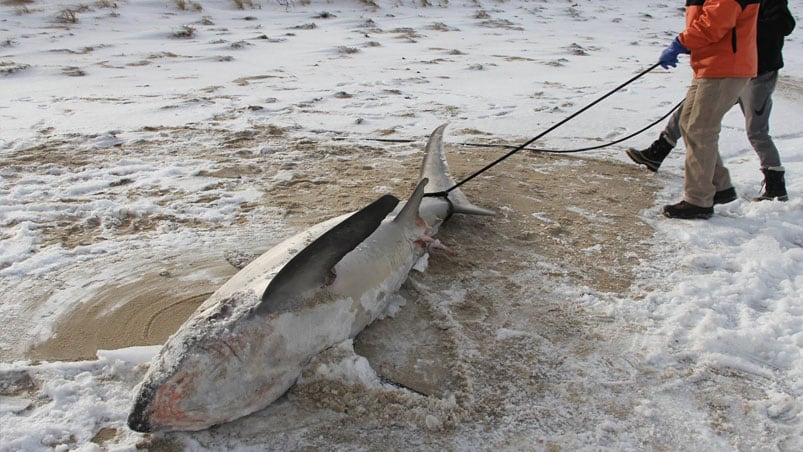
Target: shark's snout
x,y
139,418
138,421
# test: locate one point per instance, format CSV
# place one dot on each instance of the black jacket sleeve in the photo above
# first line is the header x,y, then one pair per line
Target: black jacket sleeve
x,y
776,15
774,22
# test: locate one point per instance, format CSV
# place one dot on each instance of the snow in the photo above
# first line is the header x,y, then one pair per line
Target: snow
x,y
716,310
348,367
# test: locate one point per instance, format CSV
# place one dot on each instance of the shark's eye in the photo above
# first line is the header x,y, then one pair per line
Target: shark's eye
x,y
220,314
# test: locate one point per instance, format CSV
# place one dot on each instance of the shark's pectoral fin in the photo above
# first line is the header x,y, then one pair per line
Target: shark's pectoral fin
x,y
311,267
413,350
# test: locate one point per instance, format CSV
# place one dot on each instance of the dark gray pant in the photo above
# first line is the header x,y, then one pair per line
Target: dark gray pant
x,y
756,104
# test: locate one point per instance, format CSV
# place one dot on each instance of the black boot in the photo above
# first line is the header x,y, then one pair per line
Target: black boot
x,y
686,211
653,155
774,186
725,196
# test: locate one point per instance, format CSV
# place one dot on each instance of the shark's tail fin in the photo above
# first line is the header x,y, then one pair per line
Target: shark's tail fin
x,y
437,171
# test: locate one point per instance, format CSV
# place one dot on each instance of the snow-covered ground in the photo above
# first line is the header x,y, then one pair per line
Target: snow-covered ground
x,y
147,150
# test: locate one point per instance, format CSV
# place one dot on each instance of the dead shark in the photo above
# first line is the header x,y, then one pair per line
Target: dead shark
x,y
246,345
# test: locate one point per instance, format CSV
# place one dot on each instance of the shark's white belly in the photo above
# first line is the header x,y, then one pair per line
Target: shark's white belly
x,y
271,351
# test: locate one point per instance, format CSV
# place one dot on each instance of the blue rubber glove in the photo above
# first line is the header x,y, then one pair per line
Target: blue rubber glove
x,y
669,57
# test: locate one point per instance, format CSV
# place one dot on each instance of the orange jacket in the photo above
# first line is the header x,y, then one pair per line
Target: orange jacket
x,y
721,35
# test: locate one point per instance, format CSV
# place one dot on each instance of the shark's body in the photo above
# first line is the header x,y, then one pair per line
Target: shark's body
x,y
247,344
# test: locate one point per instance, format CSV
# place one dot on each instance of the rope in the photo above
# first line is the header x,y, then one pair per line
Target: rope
x,y
542,134
590,148
550,151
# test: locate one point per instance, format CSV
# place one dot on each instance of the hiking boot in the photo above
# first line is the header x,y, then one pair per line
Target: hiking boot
x,y
774,186
686,211
653,155
725,196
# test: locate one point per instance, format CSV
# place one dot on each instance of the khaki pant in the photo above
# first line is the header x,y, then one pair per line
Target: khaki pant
x,y
707,101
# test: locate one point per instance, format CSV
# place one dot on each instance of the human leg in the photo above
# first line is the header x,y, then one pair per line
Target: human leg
x,y
671,133
756,104
707,101
706,104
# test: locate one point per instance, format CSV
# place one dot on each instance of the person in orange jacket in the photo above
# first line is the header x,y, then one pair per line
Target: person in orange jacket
x,y
775,22
720,35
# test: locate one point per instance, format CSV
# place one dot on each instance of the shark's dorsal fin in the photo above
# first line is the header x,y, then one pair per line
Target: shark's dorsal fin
x,y
409,213
311,266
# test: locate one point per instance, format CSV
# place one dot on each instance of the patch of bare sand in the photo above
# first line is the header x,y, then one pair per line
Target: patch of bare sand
x,y
580,214
498,331
145,311
491,319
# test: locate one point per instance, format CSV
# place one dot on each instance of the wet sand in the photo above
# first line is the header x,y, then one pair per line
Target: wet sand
x,y
145,311
579,214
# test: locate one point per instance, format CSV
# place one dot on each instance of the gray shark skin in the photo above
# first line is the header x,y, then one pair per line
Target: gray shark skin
x,y
246,345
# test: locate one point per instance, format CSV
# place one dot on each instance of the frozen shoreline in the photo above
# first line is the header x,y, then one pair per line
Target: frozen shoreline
x,y
131,159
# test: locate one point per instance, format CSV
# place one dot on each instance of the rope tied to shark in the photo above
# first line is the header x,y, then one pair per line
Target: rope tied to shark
x,y
523,146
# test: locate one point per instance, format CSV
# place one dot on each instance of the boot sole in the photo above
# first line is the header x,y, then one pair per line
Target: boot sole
x,y
696,216
725,201
637,158
771,198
